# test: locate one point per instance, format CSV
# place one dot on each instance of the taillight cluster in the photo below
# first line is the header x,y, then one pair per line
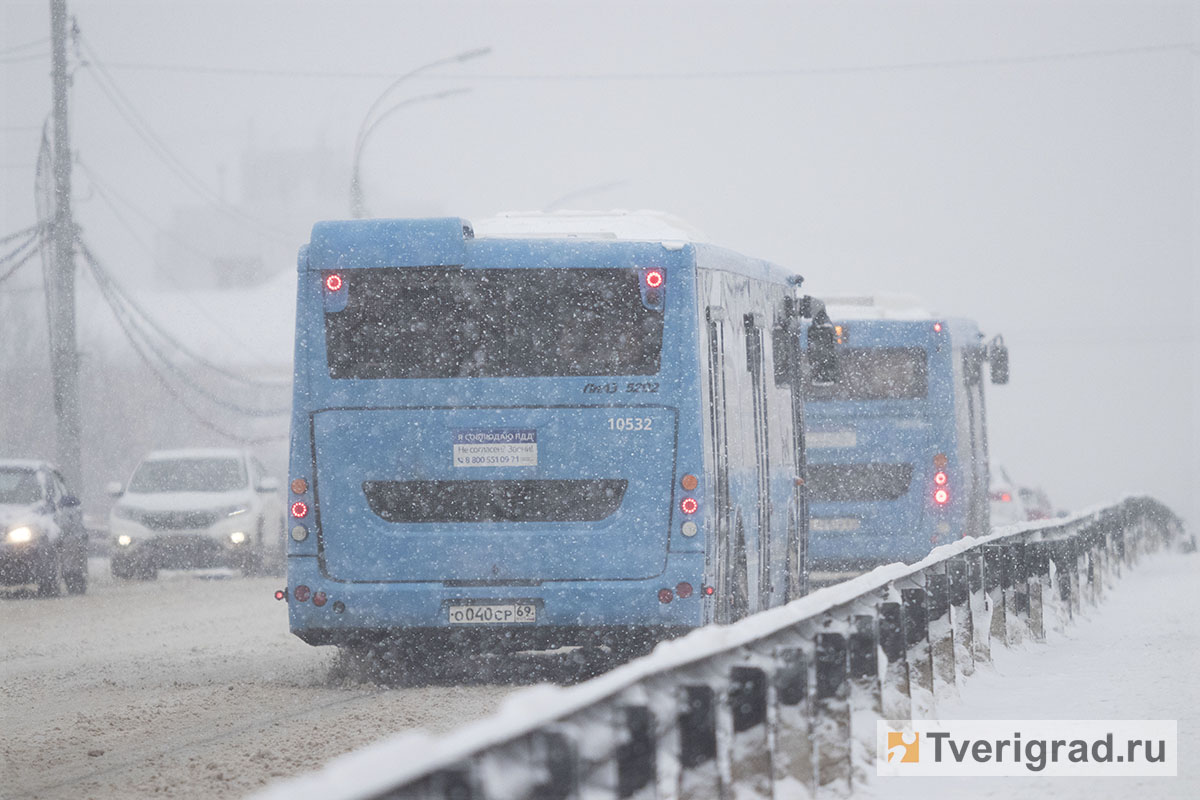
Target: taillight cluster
x,y
941,480
689,505
299,508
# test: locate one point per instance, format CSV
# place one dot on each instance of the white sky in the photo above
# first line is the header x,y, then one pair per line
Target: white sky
x,y
929,148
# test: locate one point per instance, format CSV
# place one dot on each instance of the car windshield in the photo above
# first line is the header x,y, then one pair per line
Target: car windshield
x,y
19,487
188,475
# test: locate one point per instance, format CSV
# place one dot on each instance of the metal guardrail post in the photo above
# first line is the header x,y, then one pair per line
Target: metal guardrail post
x,y
957,570
941,631
831,722
636,753
792,761
699,778
918,655
1016,593
1037,563
866,702
896,698
981,606
995,581
749,749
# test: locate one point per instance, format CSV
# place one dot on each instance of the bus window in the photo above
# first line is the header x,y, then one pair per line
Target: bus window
x,y
449,322
877,373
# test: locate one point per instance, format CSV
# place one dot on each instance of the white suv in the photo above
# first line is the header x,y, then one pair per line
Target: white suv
x,y
200,508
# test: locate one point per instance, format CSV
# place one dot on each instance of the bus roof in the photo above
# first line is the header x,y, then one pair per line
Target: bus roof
x,y
882,306
643,226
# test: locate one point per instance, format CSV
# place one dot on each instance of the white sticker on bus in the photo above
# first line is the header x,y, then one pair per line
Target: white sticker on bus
x,y
828,439
495,447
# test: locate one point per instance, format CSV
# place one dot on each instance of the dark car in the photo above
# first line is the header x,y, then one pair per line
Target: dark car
x,y
44,541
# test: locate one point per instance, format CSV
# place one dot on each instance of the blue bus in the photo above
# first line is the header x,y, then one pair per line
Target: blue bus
x,y
897,443
522,441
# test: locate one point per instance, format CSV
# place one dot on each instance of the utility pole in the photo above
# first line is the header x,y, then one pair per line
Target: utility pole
x,y
64,355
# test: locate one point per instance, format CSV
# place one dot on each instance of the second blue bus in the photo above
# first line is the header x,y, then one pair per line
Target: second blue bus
x,y
897,443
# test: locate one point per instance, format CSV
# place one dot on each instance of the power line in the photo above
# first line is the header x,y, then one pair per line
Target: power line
x,y
34,228
126,109
16,48
174,343
777,72
125,321
22,255
21,59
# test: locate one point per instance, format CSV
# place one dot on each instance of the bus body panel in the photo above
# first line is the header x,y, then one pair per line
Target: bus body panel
x,y
574,457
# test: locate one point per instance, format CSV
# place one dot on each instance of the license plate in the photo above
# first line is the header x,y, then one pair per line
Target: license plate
x,y
500,614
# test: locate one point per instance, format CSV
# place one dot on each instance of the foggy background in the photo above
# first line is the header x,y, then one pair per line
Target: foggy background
x,y
1032,166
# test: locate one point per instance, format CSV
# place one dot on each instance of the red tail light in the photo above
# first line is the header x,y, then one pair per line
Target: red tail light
x,y
299,509
689,505
940,478
664,595
301,593
683,590
654,278
281,594
319,598
941,497
333,282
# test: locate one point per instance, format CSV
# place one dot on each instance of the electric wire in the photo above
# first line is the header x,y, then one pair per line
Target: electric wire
x,y
174,343
110,197
22,255
195,413
16,48
128,111
1183,47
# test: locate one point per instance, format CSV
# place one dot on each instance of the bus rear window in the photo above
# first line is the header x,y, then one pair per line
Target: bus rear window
x,y
875,373
450,322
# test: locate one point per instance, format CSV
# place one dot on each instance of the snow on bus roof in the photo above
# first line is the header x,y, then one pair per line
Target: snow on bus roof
x,y
645,226
880,306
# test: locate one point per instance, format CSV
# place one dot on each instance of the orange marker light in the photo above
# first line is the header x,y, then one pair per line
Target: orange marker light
x,y
299,486
689,483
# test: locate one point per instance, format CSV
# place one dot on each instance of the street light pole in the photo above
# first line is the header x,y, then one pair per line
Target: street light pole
x,y
357,203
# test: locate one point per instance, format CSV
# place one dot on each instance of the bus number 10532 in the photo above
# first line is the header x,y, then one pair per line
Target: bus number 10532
x,y
629,423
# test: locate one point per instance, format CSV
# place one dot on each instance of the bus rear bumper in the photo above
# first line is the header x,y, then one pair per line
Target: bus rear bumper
x,y
568,613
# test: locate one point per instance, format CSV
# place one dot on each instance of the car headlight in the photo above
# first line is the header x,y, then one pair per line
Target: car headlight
x,y
237,537
124,540
22,534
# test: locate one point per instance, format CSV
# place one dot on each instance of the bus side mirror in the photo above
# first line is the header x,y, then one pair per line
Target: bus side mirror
x,y
998,360
821,353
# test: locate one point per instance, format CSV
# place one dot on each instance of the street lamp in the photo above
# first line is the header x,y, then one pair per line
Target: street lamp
x,y
357,203
357,206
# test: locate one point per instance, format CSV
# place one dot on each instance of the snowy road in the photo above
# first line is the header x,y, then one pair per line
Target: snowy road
x,y
183,687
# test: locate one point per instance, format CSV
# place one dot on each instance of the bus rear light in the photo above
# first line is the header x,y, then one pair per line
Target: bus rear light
x,y
940,478
299,509
301,593
299,533
299,486
689,505
1005,497
708,591
683,590
339,607
281,594
689,483
940,461
941,497
937,327
333,282
689,529
319,599
654,278
665,595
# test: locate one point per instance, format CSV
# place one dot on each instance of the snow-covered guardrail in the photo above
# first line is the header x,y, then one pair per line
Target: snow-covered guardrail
x,y
781,704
